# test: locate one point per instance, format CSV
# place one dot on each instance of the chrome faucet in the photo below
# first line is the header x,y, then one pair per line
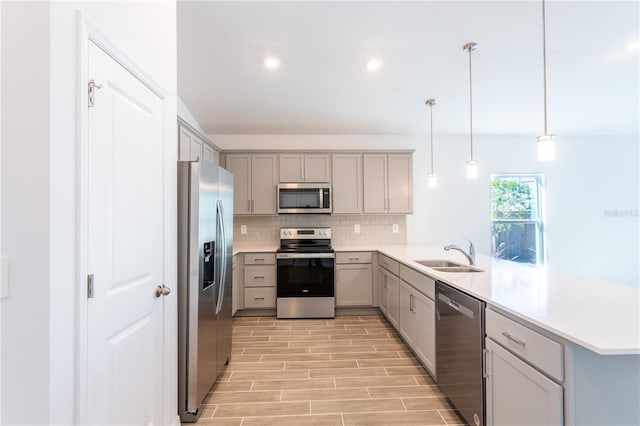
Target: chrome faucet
x,y
471,256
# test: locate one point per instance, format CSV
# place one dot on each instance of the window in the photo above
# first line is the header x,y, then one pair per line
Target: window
x,y
516,218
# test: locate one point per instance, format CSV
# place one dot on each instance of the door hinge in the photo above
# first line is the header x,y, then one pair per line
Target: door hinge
x,y
92,91
90,286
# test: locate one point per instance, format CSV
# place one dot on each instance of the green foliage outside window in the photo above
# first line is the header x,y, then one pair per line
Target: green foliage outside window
x,y
514,213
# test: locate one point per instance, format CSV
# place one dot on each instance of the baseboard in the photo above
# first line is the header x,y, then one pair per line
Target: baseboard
x,y
366,310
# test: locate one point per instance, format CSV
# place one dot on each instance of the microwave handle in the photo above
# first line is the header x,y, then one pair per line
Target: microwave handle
x,y
321,198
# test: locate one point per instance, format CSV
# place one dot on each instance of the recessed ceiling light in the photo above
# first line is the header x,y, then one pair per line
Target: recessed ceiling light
x,y
373,64
634,45
271,62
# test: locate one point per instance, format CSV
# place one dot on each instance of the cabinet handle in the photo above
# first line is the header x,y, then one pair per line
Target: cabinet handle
x,y
258,277
253,206
411,303
354,258
514,339
249,205
258,259
301,172
258,298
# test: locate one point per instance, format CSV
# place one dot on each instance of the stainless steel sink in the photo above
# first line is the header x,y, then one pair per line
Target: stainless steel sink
x,y
448,266
457,269
437,263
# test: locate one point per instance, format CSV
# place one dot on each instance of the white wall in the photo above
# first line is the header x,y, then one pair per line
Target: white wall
x,y
592,176
39,64
185,114
25,214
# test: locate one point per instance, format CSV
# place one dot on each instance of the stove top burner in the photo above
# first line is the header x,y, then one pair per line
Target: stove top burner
x,y
315,249
305,240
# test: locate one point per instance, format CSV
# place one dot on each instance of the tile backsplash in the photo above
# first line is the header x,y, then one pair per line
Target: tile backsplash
x,y
373,229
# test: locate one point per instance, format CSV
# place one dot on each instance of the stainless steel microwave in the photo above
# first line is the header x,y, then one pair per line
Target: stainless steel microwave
x,y
304,198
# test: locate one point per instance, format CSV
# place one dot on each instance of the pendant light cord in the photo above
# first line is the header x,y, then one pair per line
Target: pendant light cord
x,y
431,123
470,106
544,64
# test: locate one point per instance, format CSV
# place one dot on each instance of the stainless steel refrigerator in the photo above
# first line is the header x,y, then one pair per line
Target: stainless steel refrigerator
x,y
205,234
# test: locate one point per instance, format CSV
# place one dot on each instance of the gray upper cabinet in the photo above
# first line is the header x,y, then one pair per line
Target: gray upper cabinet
x,y
255,179
388,183
305,167
346,181
193,146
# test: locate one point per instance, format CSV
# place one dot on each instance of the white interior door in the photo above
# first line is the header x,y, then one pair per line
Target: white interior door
x,y
124,251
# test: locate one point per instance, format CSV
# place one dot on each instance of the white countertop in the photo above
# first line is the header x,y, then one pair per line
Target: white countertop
x,y
601,316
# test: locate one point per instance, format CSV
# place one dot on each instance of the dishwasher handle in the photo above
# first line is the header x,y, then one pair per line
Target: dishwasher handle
x,y
455,305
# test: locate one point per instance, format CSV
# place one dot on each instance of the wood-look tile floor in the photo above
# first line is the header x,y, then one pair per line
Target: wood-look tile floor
x,y
347,371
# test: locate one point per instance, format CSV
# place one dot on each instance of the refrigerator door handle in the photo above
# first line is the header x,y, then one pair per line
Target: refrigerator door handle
x,y
223,255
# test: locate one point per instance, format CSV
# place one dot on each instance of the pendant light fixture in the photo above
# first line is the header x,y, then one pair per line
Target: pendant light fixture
x,y
472,165
546,143
432,181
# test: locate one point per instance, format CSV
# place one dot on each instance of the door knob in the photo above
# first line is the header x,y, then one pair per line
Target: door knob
x,y
162,290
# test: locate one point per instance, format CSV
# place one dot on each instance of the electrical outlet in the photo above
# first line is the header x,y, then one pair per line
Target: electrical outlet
x,y
243,229
395,228
356,228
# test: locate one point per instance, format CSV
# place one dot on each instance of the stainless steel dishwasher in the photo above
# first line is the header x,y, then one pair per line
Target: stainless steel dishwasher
x,y
459,345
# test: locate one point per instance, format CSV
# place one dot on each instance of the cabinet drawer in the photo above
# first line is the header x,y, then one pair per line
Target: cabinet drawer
x,y
260,259
260,276
389,264
539,350
420,282
260,297
353,257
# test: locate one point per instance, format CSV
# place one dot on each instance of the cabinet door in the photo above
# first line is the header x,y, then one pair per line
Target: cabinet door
x,y
517,394
346,183
264,179
375,183
425,317
210,154
407,315
240,166
317,168
196,148
184,144
383,293
291,168
394,299
400,183
354,285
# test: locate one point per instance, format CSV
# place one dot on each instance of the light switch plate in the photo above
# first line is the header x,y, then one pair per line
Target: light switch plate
x,y
395,228
356,228
243,229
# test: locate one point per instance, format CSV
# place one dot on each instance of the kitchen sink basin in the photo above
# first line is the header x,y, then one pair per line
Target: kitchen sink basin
x,y
457,269
439,263
448,266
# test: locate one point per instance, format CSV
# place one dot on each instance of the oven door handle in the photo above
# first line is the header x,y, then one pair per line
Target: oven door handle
x,y
305,255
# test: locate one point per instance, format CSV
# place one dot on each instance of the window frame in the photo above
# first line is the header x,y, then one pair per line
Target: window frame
x,y
540,221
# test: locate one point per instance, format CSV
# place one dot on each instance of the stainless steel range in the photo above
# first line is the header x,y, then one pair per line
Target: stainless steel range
x,y
305,274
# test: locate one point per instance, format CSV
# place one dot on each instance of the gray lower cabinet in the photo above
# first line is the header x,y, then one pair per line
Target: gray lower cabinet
x,y
389,288
259,279
518,394
417,324
354,279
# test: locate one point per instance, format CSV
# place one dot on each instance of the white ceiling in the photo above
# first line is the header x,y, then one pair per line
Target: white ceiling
x,y
322,87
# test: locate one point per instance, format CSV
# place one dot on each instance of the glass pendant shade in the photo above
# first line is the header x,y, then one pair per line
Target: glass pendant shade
x,y
432,180
472,169
546,147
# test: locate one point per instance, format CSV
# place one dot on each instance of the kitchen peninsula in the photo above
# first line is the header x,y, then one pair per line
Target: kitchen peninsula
x,y
582,336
